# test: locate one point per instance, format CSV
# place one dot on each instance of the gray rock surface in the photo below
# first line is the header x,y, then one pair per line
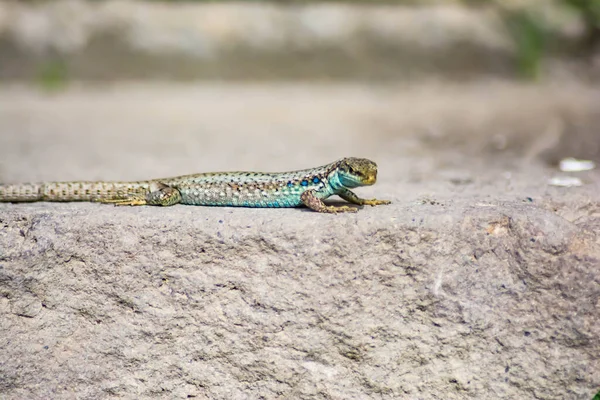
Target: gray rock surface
x,y
479,281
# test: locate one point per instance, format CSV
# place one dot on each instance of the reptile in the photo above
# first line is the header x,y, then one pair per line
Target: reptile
x,y
306,187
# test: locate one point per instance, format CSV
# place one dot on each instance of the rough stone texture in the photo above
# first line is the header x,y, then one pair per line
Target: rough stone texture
x,y
479,281
262,40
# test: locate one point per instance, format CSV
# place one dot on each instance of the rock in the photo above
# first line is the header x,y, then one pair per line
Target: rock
x,y
485,287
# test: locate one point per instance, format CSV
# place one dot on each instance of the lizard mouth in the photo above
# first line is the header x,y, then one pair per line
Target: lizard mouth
x,y
371,179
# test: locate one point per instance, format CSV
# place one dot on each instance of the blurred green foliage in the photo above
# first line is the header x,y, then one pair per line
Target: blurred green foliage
x,y
53,75
590,13
530,35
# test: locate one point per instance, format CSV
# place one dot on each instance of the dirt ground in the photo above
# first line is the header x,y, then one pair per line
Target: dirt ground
x,y
480,280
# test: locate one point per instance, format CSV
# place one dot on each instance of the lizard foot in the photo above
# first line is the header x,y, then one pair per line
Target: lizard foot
x,y
375,202
338,209
124,202
132,202
351,197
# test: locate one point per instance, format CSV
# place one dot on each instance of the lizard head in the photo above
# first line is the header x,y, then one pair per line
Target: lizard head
x,y
353,172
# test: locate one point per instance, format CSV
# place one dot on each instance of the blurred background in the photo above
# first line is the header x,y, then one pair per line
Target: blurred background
x,y
53,42
312,81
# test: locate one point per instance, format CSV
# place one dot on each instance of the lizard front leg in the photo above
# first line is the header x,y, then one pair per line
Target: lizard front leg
x,y
313,202
351,197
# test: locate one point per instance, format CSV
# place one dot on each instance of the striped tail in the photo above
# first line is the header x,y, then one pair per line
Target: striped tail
x,y
72,191
20,192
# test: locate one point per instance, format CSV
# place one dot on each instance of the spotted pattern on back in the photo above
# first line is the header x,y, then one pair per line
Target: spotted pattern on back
x,y
251,189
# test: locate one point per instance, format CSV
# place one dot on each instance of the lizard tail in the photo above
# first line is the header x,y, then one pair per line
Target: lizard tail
x,y
20,192
72,191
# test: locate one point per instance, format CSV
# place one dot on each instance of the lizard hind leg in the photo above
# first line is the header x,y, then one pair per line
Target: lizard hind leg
x,y
159,195
162,195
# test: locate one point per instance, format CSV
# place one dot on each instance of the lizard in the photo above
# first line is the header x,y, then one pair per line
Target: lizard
x,y
306,187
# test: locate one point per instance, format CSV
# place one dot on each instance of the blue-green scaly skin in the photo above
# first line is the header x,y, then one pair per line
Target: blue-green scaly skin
x,y
243,189
252,189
